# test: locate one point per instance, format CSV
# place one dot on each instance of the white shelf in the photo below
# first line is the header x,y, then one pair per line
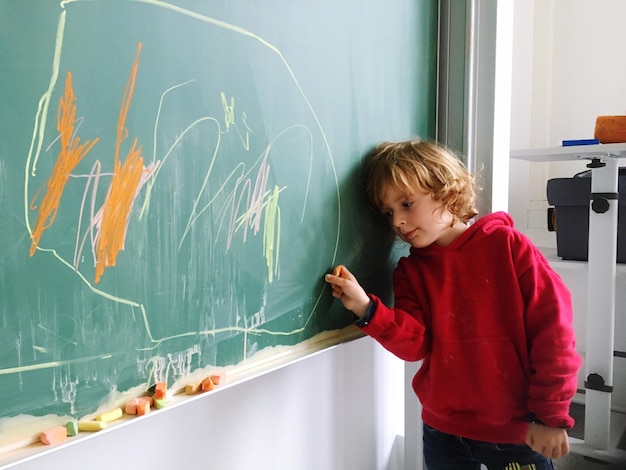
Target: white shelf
x,y
560,263
576,152
601,275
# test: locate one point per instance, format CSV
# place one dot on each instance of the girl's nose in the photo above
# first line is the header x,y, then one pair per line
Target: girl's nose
x,y
397,220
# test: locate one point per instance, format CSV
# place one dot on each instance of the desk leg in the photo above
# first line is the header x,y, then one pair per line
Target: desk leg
x,y
601,304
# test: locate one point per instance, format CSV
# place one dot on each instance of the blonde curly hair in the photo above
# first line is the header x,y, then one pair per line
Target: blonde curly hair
x,y
421,166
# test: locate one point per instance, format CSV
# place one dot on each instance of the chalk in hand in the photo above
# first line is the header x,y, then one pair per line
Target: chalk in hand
x,y
340,271
54,435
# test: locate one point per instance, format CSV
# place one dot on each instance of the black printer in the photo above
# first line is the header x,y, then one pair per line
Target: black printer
x,y
570,215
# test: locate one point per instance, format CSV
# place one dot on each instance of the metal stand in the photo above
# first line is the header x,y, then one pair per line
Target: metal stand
x,y
601,301
601,289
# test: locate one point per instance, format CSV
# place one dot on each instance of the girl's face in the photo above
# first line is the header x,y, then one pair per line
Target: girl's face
x,y
419,219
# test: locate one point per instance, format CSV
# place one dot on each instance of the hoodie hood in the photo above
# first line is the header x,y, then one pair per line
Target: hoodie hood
x,y
480,228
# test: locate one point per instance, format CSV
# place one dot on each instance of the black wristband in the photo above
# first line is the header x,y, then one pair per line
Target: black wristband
x,y
367,318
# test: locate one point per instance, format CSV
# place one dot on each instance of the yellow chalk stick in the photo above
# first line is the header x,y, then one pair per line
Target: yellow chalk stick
x,y
110,415
91,426
192,389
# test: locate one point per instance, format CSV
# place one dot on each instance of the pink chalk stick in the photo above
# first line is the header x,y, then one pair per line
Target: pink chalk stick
x,y
218,378
54,435
131,407
143,407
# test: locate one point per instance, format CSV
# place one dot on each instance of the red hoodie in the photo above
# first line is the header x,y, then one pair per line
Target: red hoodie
x,y
493,323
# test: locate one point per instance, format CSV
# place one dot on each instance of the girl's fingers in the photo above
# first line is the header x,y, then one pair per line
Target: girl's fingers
x,y
341,271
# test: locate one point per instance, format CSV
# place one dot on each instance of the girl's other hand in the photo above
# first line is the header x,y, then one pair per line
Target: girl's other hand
x,y
346,288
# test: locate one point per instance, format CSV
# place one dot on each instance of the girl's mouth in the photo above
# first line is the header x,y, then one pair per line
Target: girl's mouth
x,y
408,235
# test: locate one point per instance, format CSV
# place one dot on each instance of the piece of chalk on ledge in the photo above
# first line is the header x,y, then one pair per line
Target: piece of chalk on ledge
x,y
218,378
192,389
72,428
160,389
207,384
146,398
131,407
92,426
159,403
143,407
54,435
110,415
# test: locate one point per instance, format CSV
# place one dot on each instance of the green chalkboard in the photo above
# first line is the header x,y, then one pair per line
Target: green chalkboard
x,y
176,178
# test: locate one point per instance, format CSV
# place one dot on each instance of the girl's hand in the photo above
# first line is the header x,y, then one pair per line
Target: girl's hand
x,y
346,288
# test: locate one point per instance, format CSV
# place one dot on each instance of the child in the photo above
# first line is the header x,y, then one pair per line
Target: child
x,y
480,305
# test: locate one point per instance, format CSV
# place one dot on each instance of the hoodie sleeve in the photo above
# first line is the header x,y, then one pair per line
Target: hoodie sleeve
x,y
550,338
400,332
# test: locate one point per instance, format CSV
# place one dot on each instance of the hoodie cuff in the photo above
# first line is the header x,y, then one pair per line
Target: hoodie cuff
x,y
367,318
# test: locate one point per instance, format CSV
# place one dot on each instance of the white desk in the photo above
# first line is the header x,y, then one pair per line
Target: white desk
x,y
601,284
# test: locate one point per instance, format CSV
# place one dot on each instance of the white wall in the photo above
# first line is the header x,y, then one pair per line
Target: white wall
x,y
339,409
568,69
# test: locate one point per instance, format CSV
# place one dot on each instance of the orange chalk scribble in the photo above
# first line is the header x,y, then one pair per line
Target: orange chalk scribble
x,y
70,155
116,210
123,190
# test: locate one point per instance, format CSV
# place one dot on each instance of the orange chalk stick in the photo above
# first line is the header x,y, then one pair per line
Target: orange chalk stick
x,y
207,384
160,389
339,271
110,415
218,378
54,435
192,389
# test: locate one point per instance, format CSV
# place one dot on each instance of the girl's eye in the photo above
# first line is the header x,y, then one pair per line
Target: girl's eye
x,y
407,204
387,214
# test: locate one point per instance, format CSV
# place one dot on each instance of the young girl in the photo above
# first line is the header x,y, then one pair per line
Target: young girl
x,y
480,305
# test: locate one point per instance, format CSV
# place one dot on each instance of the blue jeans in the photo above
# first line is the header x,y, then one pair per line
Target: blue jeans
x,y
447,452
